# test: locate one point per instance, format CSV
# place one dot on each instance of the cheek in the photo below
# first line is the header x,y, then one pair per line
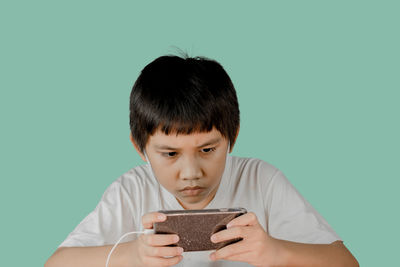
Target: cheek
x,y
165,175
216,168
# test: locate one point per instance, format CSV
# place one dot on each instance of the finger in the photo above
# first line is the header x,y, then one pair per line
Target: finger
x,y
149,218
163,251
243,257
158,240
249,218
231,233
229,251
159,261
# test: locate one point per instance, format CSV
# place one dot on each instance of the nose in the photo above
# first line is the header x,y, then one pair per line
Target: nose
x,y
190,169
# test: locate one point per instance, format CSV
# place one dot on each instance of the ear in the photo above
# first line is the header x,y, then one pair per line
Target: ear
x,y
137,147
234,141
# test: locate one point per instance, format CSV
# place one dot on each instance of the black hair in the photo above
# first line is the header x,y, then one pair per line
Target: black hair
x,y
183,95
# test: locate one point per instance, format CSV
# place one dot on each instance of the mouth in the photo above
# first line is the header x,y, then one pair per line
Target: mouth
x,y
192,190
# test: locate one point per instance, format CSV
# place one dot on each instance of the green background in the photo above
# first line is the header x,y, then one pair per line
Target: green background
x,y
318,87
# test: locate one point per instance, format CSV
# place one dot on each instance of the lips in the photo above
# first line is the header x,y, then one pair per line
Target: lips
x,y
191,188
192,191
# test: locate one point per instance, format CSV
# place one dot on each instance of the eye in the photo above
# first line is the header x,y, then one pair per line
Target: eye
x,y
208,150
169,154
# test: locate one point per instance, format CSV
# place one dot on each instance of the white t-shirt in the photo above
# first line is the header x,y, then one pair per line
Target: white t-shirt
x,y
250,183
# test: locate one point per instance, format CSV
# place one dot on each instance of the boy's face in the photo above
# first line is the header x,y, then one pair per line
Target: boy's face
x,y
189,166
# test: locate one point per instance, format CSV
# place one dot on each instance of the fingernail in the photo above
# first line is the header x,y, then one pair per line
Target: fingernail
x,y
176,238
161,217
228,225
213,238
180,250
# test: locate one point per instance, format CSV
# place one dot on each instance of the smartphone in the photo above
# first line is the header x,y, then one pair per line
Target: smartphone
x,y
195,227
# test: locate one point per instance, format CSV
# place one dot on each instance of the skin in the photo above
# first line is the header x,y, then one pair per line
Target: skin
x,y
198,159
178,161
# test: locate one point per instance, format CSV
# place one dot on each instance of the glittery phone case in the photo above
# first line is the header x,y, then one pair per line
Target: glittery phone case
x,y
195,227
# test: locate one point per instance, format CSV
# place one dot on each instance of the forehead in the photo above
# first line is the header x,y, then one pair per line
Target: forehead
x,y
195,139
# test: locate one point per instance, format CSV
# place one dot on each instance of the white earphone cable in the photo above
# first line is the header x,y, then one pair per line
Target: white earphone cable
x,y
119,240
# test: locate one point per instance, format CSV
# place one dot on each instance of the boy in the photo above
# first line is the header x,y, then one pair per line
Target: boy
x,y
184,120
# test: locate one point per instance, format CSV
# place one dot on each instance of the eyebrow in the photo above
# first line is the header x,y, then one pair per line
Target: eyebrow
x,y
208,143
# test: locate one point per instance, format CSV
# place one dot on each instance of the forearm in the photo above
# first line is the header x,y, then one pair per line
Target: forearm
x,y
318,255
90,256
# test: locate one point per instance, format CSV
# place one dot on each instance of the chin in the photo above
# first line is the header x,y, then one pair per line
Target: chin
x,y
190,199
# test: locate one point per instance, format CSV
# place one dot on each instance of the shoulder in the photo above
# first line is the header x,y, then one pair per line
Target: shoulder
x,y
134,180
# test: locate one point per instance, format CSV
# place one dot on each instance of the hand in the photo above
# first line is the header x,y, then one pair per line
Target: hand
x,y
257,247
151,250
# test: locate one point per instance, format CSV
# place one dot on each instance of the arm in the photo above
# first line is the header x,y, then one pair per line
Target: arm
x,y
298,254
90,256
258,248
147,250
291,217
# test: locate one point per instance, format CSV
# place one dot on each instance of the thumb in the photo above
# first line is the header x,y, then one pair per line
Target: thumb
x,y
149,218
